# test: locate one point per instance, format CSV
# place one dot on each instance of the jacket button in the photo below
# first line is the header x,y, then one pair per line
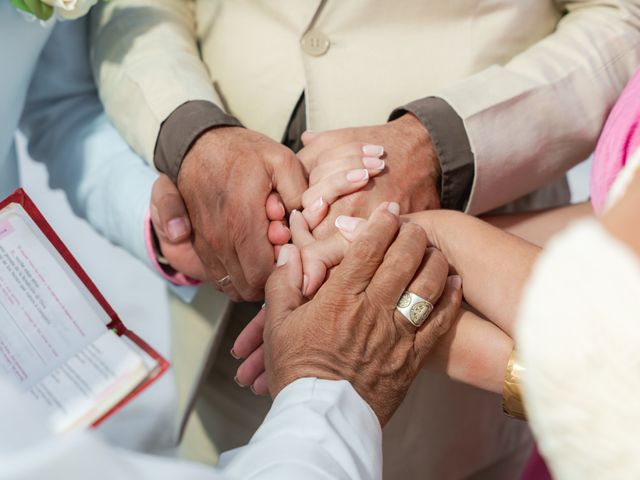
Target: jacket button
x,y
315,43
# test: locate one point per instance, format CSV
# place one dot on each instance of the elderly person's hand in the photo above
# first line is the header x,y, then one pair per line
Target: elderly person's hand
x,y
351,329
225,180
172,226
411,168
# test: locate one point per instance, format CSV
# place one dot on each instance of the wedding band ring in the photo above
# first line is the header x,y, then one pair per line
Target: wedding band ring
x,y
223,282
414,308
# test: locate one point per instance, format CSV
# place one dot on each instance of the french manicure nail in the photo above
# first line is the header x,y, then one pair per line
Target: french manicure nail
x,y
373,150
373,163
455,281
355,176
347,224
394,208
177,227
234,355
283,257
317,205
253,390
264,305
291,215
235,379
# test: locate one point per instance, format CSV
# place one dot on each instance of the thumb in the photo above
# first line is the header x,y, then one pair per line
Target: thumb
x,y
290,182
308,137
169,214
283,292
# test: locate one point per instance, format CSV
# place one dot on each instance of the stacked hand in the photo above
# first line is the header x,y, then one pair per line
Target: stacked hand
x,y
351,329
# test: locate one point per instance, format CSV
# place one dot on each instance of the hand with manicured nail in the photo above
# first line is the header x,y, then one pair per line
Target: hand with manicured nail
x,y
353,314
319,258
401,149
342,171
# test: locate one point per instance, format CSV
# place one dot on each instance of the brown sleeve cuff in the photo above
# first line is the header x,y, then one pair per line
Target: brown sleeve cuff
x,y
183,127
452,146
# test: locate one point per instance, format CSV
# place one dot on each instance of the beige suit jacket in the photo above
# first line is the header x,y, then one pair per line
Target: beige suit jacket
x,y
533,81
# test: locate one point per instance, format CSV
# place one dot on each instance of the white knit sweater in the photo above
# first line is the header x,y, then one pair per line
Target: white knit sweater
x,y
578,335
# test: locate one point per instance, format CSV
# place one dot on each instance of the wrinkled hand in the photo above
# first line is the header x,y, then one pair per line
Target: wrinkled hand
x,y
225,181
351,329
411,172
171,225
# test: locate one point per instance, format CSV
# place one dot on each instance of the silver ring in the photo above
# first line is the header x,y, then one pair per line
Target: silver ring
x,y
414,308
223,282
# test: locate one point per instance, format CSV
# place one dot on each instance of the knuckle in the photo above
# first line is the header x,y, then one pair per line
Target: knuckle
x,y
364,249
439,261
406,258
256,277
440,326
415,231
283,158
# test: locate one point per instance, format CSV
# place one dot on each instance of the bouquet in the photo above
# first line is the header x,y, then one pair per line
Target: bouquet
x,y
44,9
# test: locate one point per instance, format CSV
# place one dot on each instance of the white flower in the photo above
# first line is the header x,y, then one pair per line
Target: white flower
x,y
71,8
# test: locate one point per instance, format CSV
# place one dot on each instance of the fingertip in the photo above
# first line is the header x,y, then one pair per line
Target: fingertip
x,y
315,213
394,208
178,229
284,255
307,137
260,386
455,282
278,233
274,207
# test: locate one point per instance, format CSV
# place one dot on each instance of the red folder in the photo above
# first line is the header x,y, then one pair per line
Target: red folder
x,y
20,197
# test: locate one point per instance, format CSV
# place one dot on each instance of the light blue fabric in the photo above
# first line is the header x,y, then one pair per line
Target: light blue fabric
x,y
67,129
21,41
46,78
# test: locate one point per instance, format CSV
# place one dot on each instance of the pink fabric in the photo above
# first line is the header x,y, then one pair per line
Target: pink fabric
x,y
620,138
536,468
174,277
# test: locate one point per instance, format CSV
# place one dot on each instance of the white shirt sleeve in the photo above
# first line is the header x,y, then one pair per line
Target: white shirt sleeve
x,y
315,429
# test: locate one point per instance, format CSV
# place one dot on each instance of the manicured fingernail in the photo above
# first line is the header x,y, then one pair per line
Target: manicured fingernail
x,y
373,150
305,284
283,257
394,208
177,227
234,355
355,176
253,390
292,214
455,281
235,379
317,205
347,224
373,163
264,305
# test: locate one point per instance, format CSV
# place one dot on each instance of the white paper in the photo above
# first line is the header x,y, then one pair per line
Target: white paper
x,y
44,316
54,343
84,388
